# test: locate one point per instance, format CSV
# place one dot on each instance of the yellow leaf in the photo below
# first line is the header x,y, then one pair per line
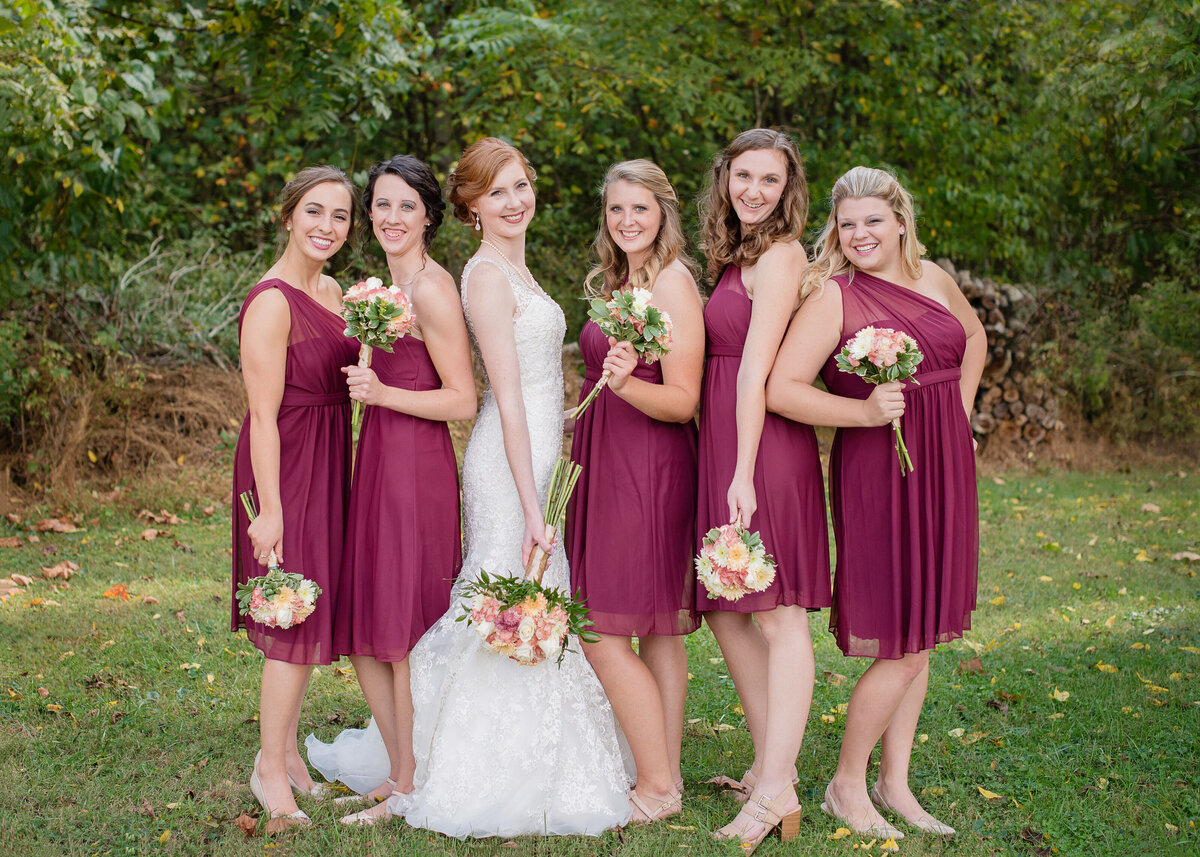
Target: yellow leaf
x,y
1138,646
998,600
92,457
1058,715
957,733
53,707
1156,689
1060,695
1171,828
1105,668
165,838
1110,621
1046,579
889,845
986,794
1074,585
1191,649
1142,557
840,833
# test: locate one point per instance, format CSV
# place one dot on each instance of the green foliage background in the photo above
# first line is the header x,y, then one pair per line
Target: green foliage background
x,y
1053,143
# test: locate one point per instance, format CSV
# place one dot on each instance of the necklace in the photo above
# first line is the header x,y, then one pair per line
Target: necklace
x,y
529,282
413,278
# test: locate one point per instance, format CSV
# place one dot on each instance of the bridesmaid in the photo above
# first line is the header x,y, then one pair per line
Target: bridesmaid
x,y
907,548
403,548
292,350
637,445
759,468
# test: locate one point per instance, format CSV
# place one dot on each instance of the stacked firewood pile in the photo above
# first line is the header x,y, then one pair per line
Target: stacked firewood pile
x,y
1014,404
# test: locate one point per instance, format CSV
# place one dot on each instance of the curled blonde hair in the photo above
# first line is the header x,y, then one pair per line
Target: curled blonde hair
x,y
612,267
860,183
724,239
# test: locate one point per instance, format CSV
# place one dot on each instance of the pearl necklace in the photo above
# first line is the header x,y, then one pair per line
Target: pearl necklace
x,y
530,282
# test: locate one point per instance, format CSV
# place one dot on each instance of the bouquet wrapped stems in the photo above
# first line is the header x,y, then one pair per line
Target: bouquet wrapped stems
x,y
562,485
356,409
251,513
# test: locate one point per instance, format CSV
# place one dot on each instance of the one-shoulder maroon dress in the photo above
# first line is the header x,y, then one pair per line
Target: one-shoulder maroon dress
x,y
907,547
314,465
787,473
403,541
630,522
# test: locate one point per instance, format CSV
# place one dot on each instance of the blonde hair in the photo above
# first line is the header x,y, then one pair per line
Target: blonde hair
x,y
477,168
861,183
724,239
669,243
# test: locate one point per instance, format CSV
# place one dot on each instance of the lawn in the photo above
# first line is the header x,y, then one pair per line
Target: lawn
x,y
1065,723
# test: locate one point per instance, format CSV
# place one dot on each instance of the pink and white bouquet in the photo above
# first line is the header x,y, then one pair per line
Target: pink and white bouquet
x,y
276,599
517,616
879,355
376,316
629,317
733,562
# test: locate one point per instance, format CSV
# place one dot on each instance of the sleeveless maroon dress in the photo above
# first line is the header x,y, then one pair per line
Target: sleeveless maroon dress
x,y
907,547
787,472
403,542
630,522
314,464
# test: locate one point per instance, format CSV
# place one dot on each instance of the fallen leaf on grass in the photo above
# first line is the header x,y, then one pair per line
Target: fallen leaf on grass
x,y
1191,649
989,796
165,838
1105,668
117,590
1171,828
44,602
21,579
65,569
149,599
889,845
13,518
1151,508
163,517
680,827
148,535
1142,556
840,833
1060,695
975,665
56,525
834,678
247,823
1002,707
1045,578
1188,555
998,600
957,733
11,542
41,691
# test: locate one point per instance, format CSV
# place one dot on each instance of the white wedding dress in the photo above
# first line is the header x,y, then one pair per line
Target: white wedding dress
x,y
504,749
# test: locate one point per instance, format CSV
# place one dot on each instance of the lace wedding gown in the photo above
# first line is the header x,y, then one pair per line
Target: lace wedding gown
x,y
504,749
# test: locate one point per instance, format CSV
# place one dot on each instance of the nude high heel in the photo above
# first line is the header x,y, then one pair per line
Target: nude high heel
x,y
319,791
397,804
881,831
349,799
929,824
277,822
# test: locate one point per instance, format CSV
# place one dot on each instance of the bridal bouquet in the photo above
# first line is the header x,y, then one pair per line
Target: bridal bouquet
x,y
517,616
276,599
376,316
878,355
628,317
733,562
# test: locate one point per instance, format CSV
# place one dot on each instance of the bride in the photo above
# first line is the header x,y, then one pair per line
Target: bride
x,y
504,749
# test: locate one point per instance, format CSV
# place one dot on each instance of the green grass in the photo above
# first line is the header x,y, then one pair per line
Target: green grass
x,y
123,721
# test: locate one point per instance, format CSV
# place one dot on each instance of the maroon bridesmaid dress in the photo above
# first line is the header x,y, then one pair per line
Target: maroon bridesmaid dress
x,y
630,523
403,543
907,547
787,473
314,463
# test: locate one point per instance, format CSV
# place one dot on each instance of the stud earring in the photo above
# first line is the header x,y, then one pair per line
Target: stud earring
x,y
289,227
477,226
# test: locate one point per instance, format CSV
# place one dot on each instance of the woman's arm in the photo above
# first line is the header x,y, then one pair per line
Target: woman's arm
x,y
264,339
813,335
776,287
492,305
436,304
975,355
675,399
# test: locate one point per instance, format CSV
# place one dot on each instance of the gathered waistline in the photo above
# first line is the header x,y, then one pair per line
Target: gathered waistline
x,y
314,400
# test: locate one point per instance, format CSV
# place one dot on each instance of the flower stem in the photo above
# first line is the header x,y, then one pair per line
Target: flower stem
x,y
591,396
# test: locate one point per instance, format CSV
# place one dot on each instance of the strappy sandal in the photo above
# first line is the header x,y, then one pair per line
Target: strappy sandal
x,y
277,822
666,808
764,810
349,799
397,804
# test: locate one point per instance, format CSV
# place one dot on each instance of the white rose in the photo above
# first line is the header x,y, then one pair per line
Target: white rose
x,y
526,629
374,282
524,653
641,300
550,646
484,629
283,616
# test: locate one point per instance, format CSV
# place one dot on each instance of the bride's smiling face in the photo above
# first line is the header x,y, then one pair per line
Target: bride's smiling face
x,y
506,207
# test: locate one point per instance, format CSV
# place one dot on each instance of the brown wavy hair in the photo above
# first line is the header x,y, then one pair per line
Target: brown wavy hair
x,y
859,183
724,239
669,244
477,168
302,183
